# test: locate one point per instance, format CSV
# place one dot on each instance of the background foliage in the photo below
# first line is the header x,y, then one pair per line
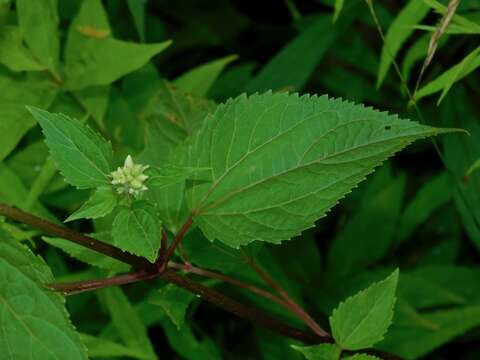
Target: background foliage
x,y
145,73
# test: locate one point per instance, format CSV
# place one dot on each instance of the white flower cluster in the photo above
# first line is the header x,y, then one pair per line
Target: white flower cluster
x,y
130,178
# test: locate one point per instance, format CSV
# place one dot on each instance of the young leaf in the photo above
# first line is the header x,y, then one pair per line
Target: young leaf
x,y
39,24
174,301
102,203
82,155
320,352
363,319
14,54
401,28
127,322
200,79
92,50
33,319
279,162
136,229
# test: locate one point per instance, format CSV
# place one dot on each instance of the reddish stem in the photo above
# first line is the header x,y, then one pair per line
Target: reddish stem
x,y
294,307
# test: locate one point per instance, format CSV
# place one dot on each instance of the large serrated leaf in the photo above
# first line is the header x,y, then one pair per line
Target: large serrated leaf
x,y
33,319
279,162
82,155
363,319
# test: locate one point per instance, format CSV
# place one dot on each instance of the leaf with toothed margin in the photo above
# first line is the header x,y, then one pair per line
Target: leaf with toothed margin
x,y
279,162
33,320
83,156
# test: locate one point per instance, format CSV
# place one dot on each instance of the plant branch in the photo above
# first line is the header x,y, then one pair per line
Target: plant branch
x,y
214,275
78,287
178,238
293,306
73,236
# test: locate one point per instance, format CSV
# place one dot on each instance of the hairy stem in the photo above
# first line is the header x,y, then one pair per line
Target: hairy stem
x,y
293,306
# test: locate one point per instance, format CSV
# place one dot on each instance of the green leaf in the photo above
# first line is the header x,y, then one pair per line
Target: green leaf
x,y
414,340
103,348
39,24
127,322
320,352
95,101
363,319
33,320
137,230
14,54
278,166
16,91
174,301
92,50
82,156
435,193
401,28
361,357
448,77
369,233
292,66
338,9
171,120
171,174
199,80
137,9
102,203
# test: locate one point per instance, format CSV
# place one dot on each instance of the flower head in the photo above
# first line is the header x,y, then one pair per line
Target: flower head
x,y
130,178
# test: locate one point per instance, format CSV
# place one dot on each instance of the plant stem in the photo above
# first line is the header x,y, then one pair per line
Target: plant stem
x,y
241,310
78,287
71,235
293,306
178,238
214,275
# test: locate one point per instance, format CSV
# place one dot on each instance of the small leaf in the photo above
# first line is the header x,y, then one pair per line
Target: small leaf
x,y
102,203
39,24
33,319
137,230
279,162
82,156
363,319
199,80
174,301
398,33
320,352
